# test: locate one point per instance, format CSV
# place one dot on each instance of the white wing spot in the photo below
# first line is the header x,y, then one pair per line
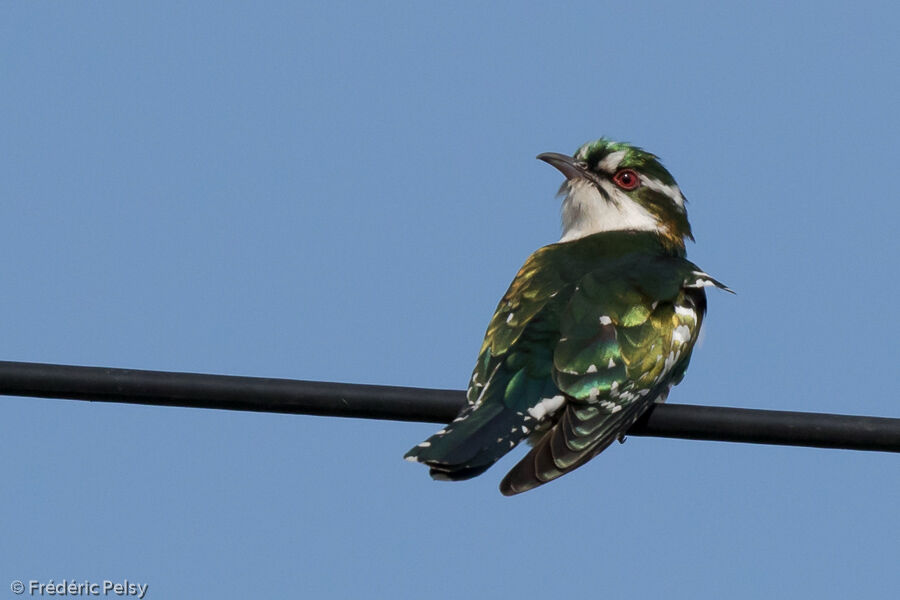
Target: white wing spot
x,y
703,280
610,406
592,369
547,406
605,320
509,317
681,334
670,361
424,445
685,311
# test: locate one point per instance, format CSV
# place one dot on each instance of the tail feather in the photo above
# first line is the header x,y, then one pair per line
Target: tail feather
x,y
582,433
473,442
440,474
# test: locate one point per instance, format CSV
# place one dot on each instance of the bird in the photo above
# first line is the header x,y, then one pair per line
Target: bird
x,y
593,330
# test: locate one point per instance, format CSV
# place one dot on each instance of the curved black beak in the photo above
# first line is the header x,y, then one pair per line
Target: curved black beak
x,y
567,165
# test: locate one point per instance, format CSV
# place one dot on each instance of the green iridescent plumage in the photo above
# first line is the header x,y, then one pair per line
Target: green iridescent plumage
x,y
590,333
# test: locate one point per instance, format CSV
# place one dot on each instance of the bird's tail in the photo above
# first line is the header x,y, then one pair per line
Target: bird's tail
x,y
582,433
471,443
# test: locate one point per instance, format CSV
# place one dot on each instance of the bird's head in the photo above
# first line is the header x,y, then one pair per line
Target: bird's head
x,y
613,186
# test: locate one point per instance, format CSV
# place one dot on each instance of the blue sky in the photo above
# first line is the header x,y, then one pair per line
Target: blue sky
x,y
343,193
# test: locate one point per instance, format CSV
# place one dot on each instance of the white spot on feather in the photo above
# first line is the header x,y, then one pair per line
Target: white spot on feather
x,y
424,445
681,334
703,280
592,369
547,406
670,361
608,405
605,320
612,407
685,311
484,390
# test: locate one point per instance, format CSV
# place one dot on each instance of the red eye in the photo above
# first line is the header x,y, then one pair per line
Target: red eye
x,y
627,179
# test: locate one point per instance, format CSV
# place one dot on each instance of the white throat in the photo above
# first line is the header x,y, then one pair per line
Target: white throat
x,y
585,211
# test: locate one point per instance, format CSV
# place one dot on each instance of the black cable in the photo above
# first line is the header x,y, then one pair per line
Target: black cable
x,y
420,404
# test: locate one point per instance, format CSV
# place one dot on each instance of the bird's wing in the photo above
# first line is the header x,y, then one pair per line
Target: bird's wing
x,y
625,337
512,388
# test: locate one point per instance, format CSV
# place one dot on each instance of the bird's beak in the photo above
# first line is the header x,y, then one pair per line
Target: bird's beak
x,y
567,165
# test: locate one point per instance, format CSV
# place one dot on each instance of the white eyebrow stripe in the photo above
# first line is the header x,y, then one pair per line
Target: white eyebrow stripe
x,y
611,161
672,191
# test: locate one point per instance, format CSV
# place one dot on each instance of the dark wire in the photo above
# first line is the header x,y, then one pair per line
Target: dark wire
x,y
421,404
